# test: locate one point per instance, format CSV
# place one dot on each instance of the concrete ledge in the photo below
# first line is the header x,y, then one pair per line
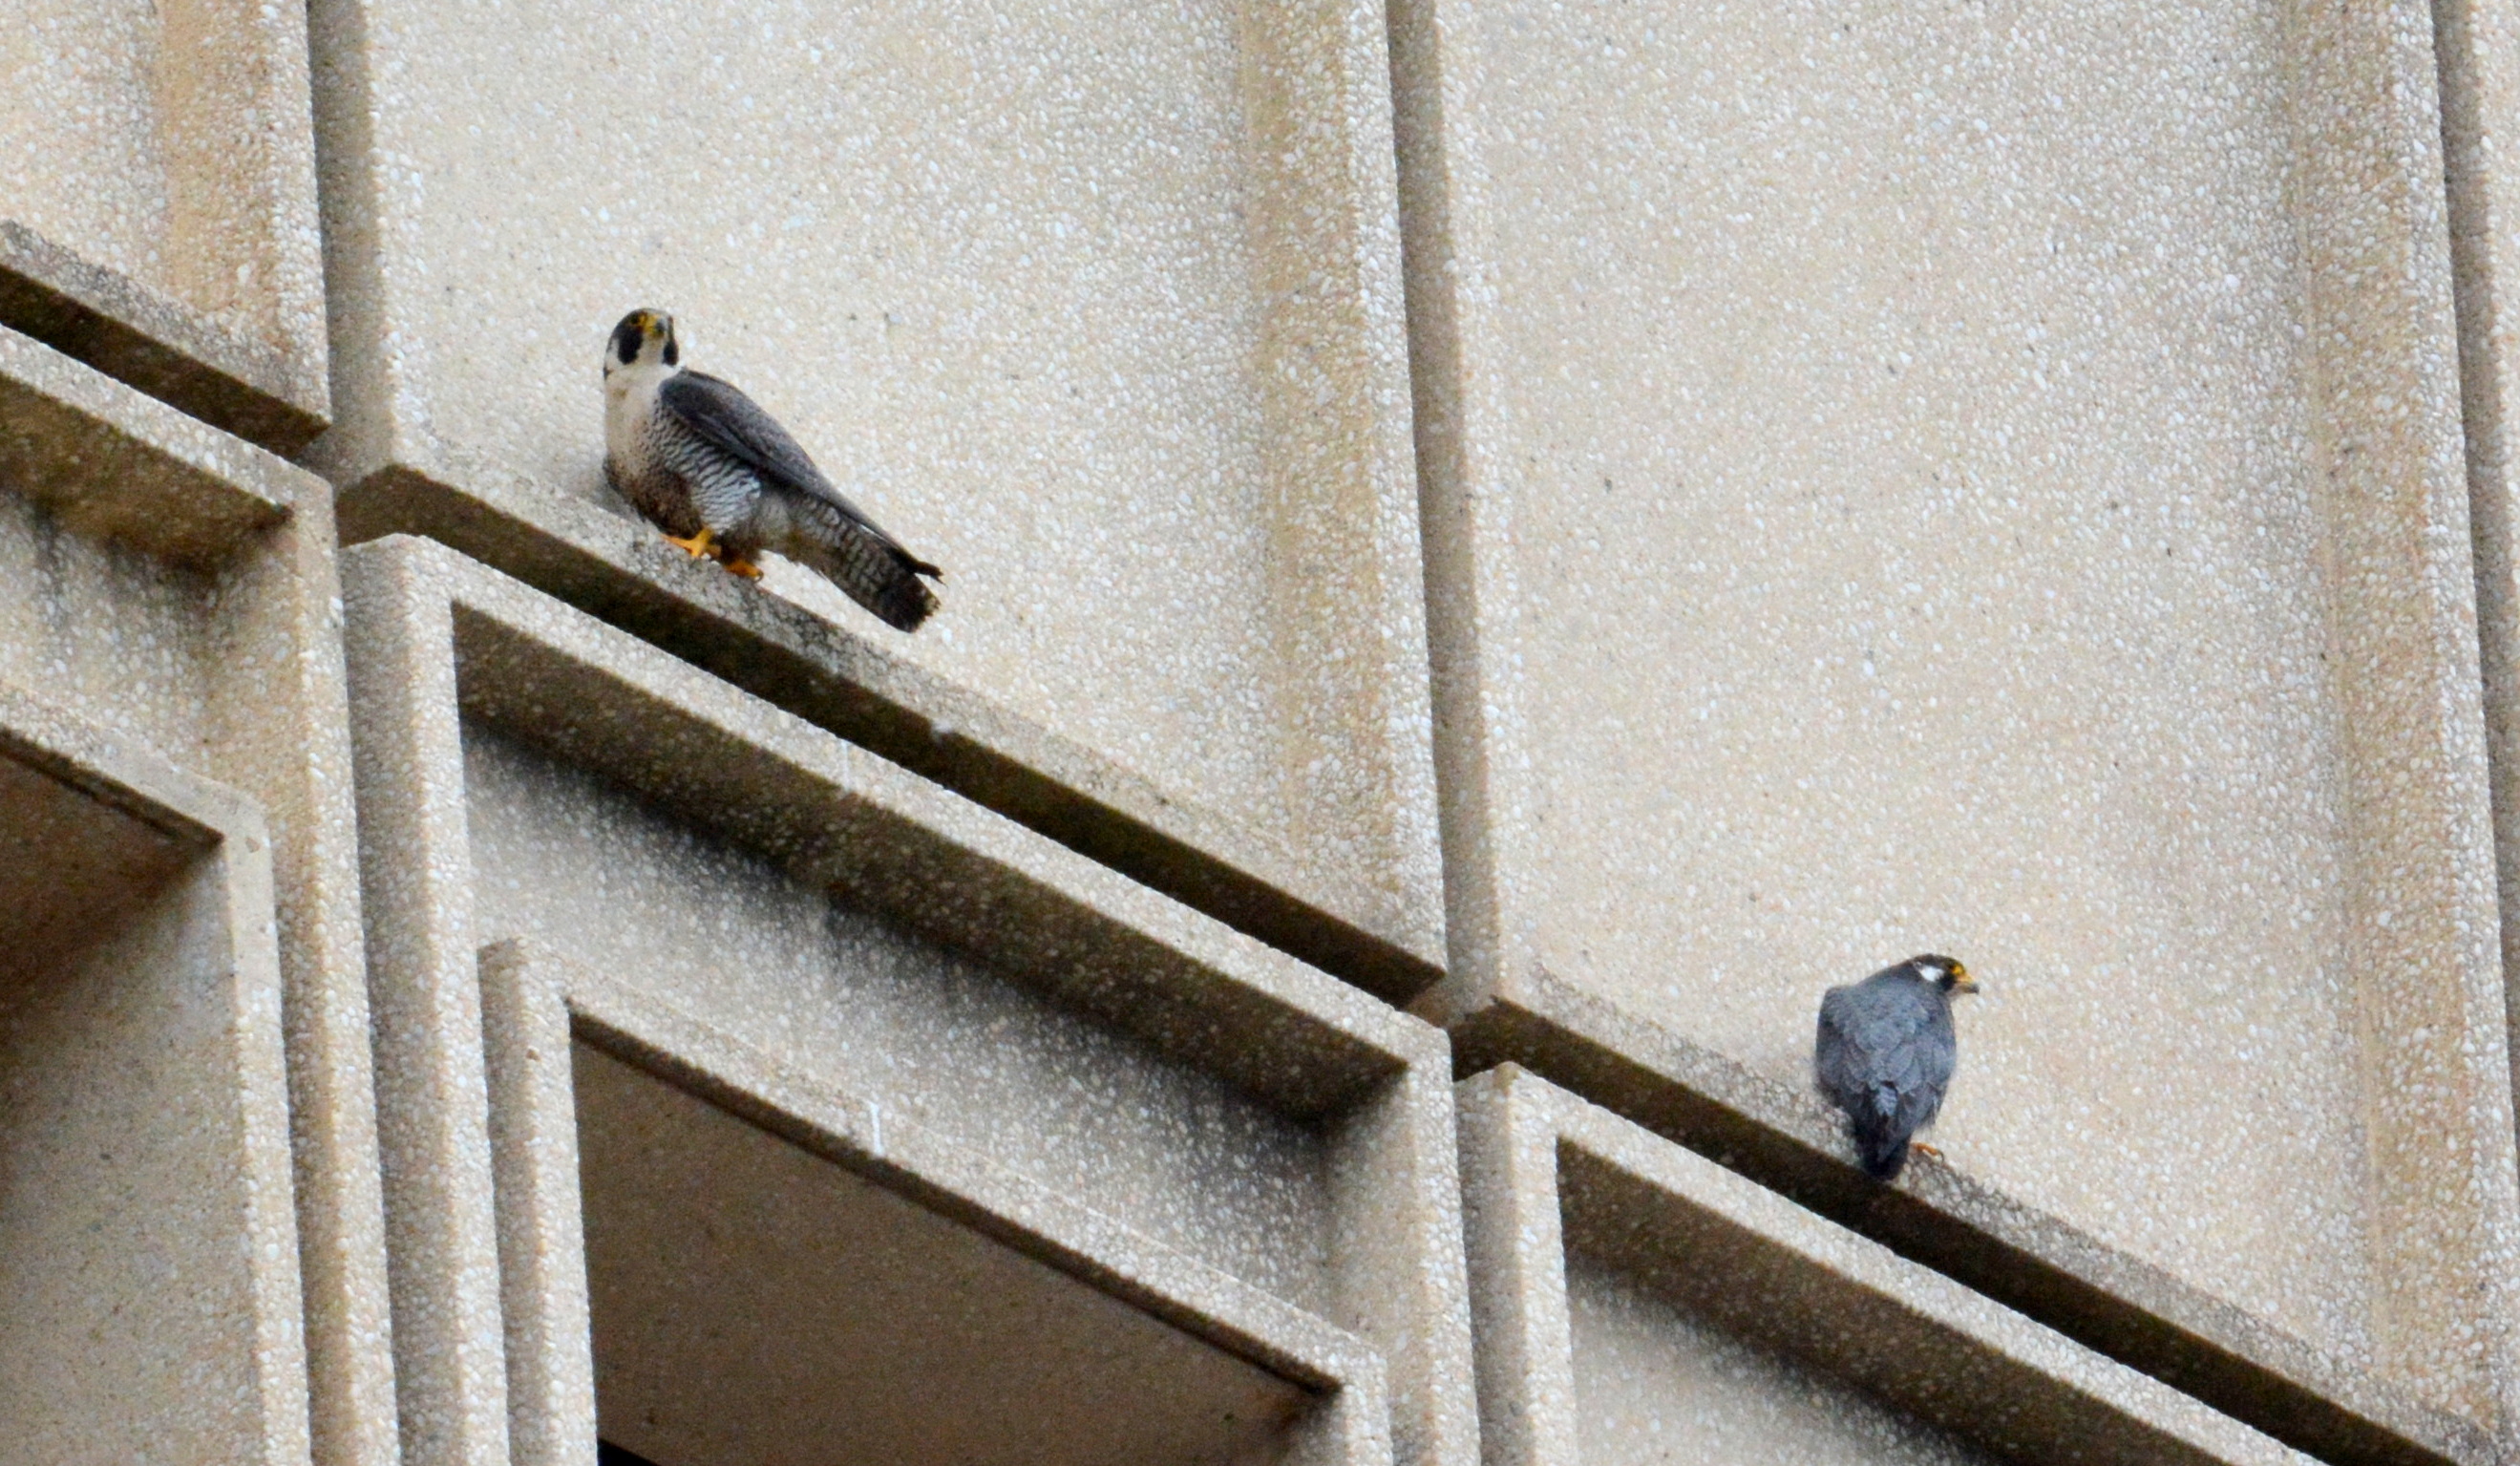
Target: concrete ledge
x,y
1789,1142
535,1002
446,653
150,342
1549,1177
112,463
618,569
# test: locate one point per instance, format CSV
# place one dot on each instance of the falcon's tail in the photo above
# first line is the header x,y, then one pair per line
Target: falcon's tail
x,y
1880,1140
1882,1156
876,574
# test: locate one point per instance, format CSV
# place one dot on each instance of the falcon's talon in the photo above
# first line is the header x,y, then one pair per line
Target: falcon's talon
x,y
699,547
745,568
1922,1149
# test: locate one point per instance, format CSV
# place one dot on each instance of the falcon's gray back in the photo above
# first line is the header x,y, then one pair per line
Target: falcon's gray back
x,y
720,413
777,498
1884,1054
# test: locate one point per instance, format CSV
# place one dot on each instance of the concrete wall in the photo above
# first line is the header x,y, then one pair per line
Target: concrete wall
x,y
1986,479
194,1259
1489,541
1096,306
167,145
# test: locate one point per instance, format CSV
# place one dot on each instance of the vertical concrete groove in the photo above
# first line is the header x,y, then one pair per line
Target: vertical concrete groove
x,y
424,990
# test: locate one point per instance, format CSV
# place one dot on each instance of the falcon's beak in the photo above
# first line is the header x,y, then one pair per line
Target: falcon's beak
x,y
1961,982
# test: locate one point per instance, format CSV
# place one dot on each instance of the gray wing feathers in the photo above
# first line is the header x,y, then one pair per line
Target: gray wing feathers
x,y
1884,1055
826,531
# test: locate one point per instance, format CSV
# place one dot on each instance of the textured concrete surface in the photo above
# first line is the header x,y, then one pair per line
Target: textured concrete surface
x,y
2480,70
171,143
1118,1085
174,586
1867,515
1985,478
149,1284
1638,1302
110,464
1782,1135
905,1335
1096,305
617,568
867,1300
137,336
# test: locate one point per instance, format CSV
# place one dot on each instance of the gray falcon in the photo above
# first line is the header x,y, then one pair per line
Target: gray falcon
x,y
1885,1054
721,478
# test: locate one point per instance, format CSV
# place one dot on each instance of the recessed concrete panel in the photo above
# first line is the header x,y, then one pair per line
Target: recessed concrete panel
x,y
708,1259
1095,305
172,583
1167,1112
836,1310
1637,1302
1987,481
149,1282
158,161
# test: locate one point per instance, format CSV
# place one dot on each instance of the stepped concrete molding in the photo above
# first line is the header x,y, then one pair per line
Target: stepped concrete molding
x,y
157,203
1989,482
620,571
138,337
2480,73
1096,306
1637,1302
144,1111
669,983
181,884
1495,549
1785,1137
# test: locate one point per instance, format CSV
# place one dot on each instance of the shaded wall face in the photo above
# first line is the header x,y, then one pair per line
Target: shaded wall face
x,y
753,1303
1934,526
104,628
129,1322
938,1037
1074,300
1655,1383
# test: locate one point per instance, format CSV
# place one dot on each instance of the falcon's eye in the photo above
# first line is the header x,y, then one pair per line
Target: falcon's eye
x,y
626,340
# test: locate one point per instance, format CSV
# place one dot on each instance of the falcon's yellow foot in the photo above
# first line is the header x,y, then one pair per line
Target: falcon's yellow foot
x,y
745,568
698,545
1922,1149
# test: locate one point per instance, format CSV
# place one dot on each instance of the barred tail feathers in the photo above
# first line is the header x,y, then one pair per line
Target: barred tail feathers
x,y
870,569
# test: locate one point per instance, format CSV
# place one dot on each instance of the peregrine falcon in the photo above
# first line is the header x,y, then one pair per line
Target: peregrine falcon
x,y
721,478
1885,1054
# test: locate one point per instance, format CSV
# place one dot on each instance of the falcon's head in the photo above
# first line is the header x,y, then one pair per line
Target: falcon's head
x,y
1945,973
644,338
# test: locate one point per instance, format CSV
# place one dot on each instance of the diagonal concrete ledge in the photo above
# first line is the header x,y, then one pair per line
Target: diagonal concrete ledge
x,y
446,653
2046,1269
1548,1176
535,1001
616,570
111,462
156,347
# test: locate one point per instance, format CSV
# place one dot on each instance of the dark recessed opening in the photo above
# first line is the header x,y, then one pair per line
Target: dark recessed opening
x,y
755,1304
